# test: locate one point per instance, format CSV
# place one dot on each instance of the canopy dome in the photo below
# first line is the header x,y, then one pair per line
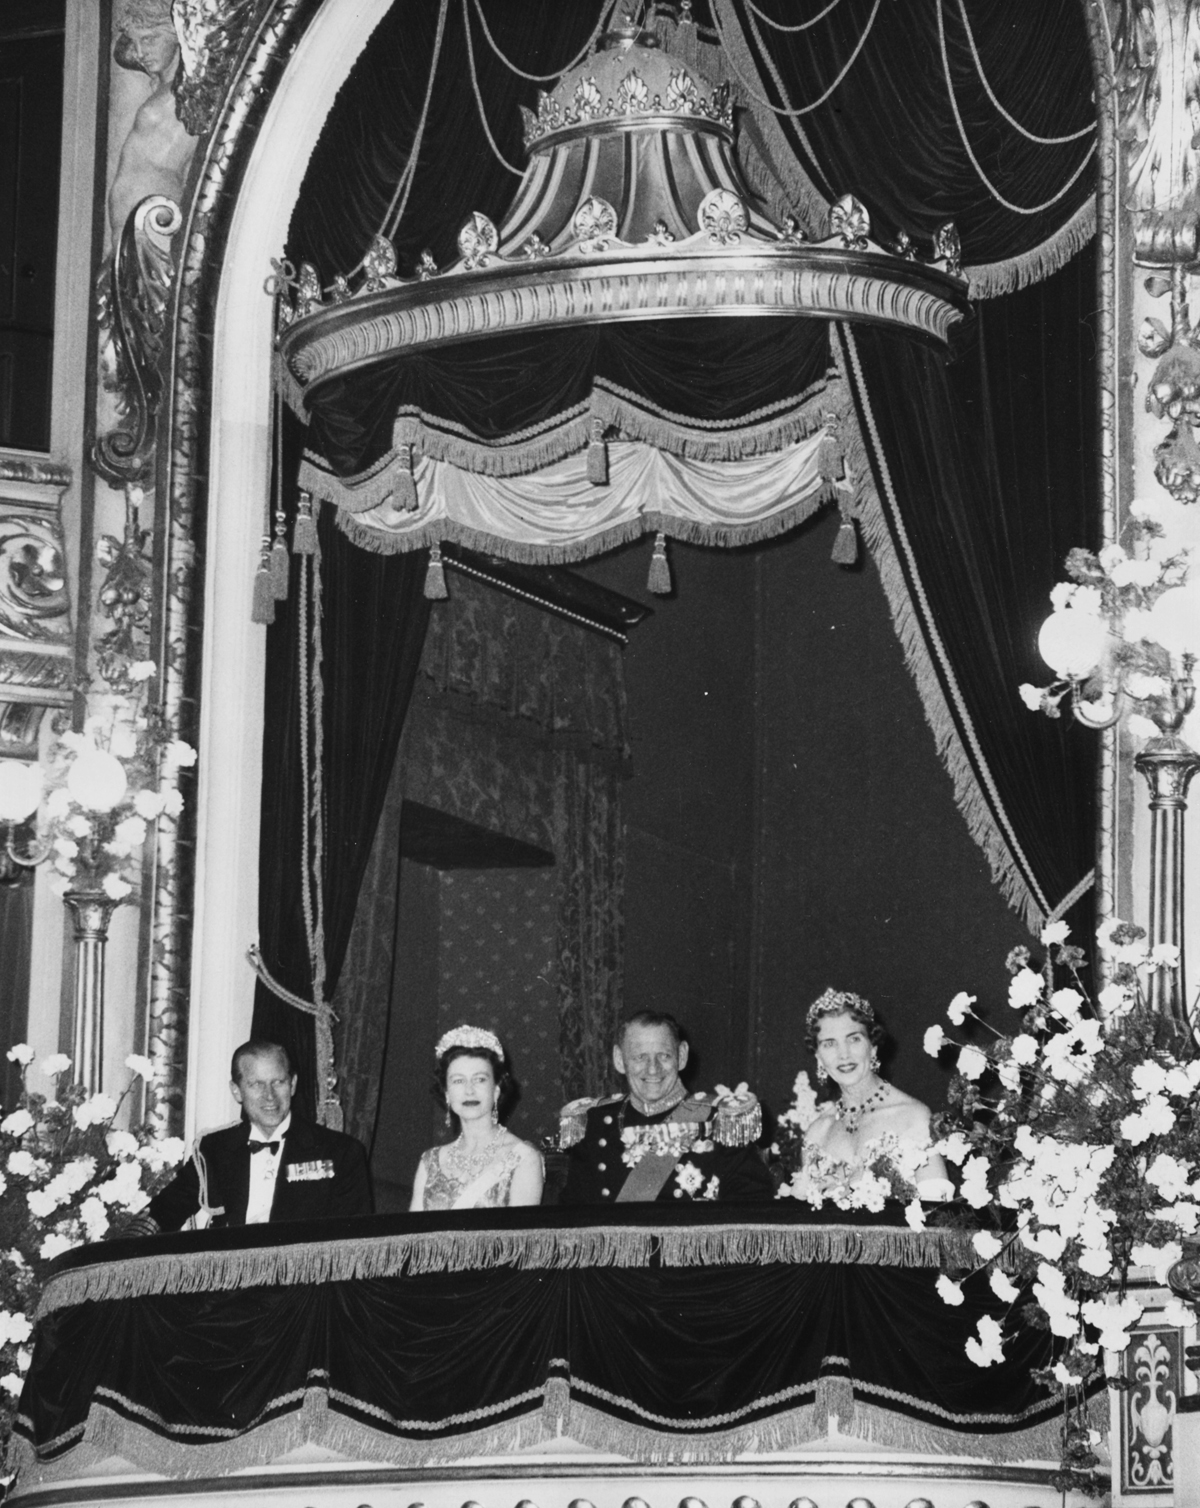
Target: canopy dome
x,y
632,207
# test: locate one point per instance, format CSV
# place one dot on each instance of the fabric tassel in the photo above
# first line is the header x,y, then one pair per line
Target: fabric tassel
x,y
263,606
597,456
435,576
831,458
659,581
845,546
280,565
404,489
304,531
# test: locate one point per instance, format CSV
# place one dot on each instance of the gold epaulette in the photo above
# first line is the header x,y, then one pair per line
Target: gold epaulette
x,y
572,1118
737,1121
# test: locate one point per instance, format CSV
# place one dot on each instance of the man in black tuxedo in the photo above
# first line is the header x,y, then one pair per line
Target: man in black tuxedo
x,y
272,1166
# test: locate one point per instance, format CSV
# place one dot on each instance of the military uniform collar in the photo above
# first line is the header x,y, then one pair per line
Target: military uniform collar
x,y
658,1107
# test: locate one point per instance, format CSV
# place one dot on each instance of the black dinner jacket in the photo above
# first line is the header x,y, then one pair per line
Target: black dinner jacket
x,y
343,1189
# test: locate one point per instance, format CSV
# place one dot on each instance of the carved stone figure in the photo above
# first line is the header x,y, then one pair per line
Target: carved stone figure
x,y
157,152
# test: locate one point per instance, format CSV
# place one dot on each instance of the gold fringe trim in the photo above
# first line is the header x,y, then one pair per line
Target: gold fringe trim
x,y
342,1260
991,279
1000,848
108,1433
760,433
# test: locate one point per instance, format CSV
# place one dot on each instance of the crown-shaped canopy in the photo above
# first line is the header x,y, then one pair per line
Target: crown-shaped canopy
x,y
632,207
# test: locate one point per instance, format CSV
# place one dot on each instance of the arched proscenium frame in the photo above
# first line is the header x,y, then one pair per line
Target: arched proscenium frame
x,y
213,474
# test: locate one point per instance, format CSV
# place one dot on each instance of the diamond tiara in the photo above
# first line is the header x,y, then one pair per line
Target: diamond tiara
x,y
469,1036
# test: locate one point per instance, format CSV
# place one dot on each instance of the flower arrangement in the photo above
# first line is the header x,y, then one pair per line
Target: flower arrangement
x,y
67,1177
100,791
1078,1137
1126,619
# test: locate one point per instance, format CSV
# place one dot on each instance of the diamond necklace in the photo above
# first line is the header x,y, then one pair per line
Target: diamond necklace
x,y
468,1164
851,1112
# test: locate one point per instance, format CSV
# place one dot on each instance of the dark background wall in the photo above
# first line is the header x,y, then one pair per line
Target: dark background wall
x,y
790,825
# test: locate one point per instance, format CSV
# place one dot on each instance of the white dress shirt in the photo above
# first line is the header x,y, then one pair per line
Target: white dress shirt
x,y
264,1169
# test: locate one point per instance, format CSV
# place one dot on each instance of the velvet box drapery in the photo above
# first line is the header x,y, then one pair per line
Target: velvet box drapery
x,y
661,1335
891,132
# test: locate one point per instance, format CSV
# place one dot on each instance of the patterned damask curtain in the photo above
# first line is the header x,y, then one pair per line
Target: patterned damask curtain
x,y
517,724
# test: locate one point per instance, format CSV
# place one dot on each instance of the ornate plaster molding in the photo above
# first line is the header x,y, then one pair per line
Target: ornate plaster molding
x,y
211,33
1157,57
37,667
132,299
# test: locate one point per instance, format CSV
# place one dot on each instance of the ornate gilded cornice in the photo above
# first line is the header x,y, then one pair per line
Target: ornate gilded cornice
x,y
814,281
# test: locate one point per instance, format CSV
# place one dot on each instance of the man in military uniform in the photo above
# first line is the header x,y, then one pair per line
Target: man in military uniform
x,y
658,1142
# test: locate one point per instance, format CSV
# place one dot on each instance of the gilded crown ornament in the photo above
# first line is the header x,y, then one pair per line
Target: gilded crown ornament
x,y
677,233
469,1036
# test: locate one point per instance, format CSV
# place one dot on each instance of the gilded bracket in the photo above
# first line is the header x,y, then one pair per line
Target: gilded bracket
x,y
37,666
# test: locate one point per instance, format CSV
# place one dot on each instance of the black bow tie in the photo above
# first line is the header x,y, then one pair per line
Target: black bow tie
x,y
264,1146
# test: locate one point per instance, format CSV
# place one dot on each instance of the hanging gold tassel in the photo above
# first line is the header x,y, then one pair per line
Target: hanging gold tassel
x,y
435,576
659,581
404,486
304,531
262,609
831,455
597,456
845,545
279,559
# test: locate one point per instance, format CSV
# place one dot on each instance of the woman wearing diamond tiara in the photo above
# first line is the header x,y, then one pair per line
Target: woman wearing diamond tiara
x,y
868,1120
485,1166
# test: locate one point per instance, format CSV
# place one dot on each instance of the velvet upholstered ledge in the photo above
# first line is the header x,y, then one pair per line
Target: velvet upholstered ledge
x,y
661,1334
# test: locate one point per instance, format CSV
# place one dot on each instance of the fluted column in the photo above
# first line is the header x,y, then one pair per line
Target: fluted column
x,y
91,911
1168,765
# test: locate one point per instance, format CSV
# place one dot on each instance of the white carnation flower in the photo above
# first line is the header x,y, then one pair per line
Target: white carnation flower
x,y
948,1291
21,1053
986,1348
960,1007
56,1063
1054,932
1004,1289
55,1244
1024,989
988,1246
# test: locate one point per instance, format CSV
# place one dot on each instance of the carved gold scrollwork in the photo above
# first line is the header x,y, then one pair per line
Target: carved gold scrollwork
x,y
34,601
133,294
1174,389
125,598
210,36
1157,69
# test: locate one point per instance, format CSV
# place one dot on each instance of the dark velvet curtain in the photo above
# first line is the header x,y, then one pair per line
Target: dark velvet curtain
x,y
993,468
887,132
374,615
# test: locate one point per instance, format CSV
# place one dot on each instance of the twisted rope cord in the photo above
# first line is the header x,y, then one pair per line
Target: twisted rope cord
x,y
483,120
606,11
1015,209
1042,141
1072,896
306,904
801,26
258,964
391,220
761,99
317,943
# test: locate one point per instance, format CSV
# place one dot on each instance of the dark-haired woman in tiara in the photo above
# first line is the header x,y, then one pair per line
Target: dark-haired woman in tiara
x,y
868,1124
485,1165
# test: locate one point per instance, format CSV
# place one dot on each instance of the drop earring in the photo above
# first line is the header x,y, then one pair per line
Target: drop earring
x,y
822,1074
874,1060
495,1112
448,1121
